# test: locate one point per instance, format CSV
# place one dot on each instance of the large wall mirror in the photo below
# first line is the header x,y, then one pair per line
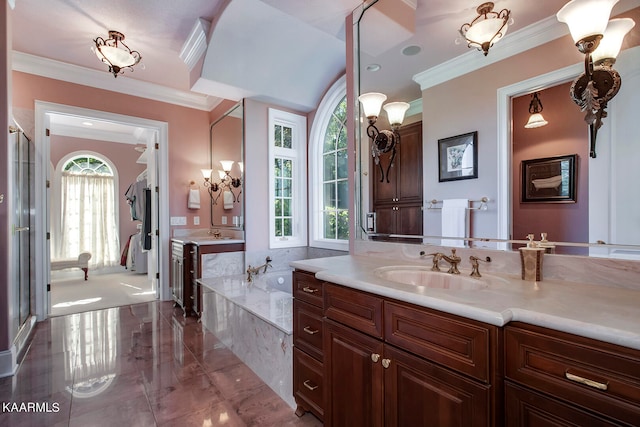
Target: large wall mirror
x,y
227,169
459,96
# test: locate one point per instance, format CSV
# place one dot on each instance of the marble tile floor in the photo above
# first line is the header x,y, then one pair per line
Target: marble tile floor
x,y
137,365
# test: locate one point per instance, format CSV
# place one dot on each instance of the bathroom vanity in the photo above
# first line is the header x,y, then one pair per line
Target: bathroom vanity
x,y
186,268
477,352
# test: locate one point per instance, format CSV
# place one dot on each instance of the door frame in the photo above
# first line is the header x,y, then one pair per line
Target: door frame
x,y
42,162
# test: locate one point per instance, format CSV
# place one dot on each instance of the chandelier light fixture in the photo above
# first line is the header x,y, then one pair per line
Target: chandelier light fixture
x,y
226,182
535,109
600,40
115,53
487,28
383,141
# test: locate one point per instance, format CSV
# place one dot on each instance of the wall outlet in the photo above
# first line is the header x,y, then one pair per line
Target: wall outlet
x,y
178,220
196,220
224,220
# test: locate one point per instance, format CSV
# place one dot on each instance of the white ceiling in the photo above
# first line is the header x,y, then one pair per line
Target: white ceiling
x,y
282,51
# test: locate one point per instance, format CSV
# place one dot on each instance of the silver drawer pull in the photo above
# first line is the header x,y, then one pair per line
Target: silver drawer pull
x,y
585,381
309,290
386,363
309,386
310,331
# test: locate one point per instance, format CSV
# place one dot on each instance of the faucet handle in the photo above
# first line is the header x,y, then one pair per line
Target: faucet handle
x,y
437,256
475,265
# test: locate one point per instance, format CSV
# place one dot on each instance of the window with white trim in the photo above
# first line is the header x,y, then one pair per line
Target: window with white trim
x,y
287,179
328,165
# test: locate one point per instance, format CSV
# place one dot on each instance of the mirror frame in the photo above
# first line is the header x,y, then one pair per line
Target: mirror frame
x,y
239,104
504,132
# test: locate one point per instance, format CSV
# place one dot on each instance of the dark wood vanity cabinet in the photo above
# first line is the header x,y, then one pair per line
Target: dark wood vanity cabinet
x,y
180,275
308,354
398,203
555,378
389,363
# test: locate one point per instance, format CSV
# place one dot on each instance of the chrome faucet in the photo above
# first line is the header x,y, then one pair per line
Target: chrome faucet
x,y
452,259
254,271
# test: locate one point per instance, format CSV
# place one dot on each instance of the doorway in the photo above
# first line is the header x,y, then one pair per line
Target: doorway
x,y
152,137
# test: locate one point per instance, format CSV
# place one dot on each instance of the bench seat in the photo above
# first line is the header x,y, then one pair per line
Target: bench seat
x,y
82,262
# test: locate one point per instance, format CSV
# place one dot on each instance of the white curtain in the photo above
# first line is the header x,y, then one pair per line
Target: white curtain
x,y
88,219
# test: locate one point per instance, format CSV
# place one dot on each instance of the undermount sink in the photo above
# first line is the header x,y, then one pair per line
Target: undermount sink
x,y
424,276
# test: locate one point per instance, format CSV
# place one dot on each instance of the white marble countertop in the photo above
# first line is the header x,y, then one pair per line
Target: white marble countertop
x,y
201,241
604,313
259,297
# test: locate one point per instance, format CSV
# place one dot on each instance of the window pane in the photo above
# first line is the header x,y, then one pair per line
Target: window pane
x,y
341,110
343,225
287,168
342,138
329,225
278,136
277,167
278,190
329,195
286,227
286,188
342,172
286,207
343,195
279,227
286,137
329,167
278,205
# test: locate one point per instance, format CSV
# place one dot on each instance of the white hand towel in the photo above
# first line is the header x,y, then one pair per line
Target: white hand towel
x,y
228,199
194,199
454,221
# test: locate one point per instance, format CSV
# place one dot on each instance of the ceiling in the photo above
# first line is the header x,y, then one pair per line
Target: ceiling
x,y
283,51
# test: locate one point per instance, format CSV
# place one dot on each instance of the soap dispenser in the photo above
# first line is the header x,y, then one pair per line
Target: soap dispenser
x,y
531,258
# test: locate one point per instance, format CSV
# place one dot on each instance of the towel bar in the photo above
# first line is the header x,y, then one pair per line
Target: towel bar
x,y
483,204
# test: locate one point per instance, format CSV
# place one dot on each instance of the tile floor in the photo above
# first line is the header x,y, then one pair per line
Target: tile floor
x,y
137,365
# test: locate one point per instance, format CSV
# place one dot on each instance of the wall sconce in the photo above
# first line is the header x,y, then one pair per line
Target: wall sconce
x,y
115,53
535,109
599,40
487,28
383,141
226,181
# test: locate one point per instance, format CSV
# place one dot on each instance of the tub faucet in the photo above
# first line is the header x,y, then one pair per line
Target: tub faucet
x,y
254,271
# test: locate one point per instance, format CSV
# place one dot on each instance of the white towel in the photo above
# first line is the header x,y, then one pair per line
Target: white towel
x,y
194,199
228,199
454,221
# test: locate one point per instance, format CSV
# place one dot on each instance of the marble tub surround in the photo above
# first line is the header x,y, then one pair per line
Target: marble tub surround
x,y
222,264
254,320
606,313
280,258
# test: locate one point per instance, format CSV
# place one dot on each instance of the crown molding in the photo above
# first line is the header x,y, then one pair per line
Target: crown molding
x,y
57,70
534,35
196,44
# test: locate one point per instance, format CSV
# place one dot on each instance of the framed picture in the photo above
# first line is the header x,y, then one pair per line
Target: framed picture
x,y
458,157
549,180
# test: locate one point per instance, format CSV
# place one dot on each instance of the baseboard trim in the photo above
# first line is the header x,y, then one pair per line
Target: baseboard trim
x,y
9,358
8,365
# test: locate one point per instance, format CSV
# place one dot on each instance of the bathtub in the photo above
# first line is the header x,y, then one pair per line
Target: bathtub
x,y
255,321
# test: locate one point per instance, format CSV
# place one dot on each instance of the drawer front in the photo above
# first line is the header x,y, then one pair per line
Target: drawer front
x,y
460,344
357,309
308,383
307,328
307,288
601,377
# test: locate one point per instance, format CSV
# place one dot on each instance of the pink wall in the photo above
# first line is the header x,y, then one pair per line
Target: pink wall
x,y
565,134
188,129
124,158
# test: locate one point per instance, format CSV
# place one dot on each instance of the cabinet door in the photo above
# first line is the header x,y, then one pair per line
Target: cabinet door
x,y
385,219
353,380
176,279
409,220
420,393
409,165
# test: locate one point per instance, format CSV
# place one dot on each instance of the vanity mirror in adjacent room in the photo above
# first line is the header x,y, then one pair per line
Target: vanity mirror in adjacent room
x,y
465,91
225,186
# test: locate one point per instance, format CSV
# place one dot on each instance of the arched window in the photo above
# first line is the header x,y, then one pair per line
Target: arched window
x,y
88,206
329,171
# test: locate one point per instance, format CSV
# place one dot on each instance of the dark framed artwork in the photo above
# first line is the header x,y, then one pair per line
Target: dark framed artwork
x,y
458,157
549,180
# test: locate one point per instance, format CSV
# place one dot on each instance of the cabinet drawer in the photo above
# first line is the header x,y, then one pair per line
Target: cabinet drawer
x,y
307,288
460,344
599,376
307,382
307,328
357,309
